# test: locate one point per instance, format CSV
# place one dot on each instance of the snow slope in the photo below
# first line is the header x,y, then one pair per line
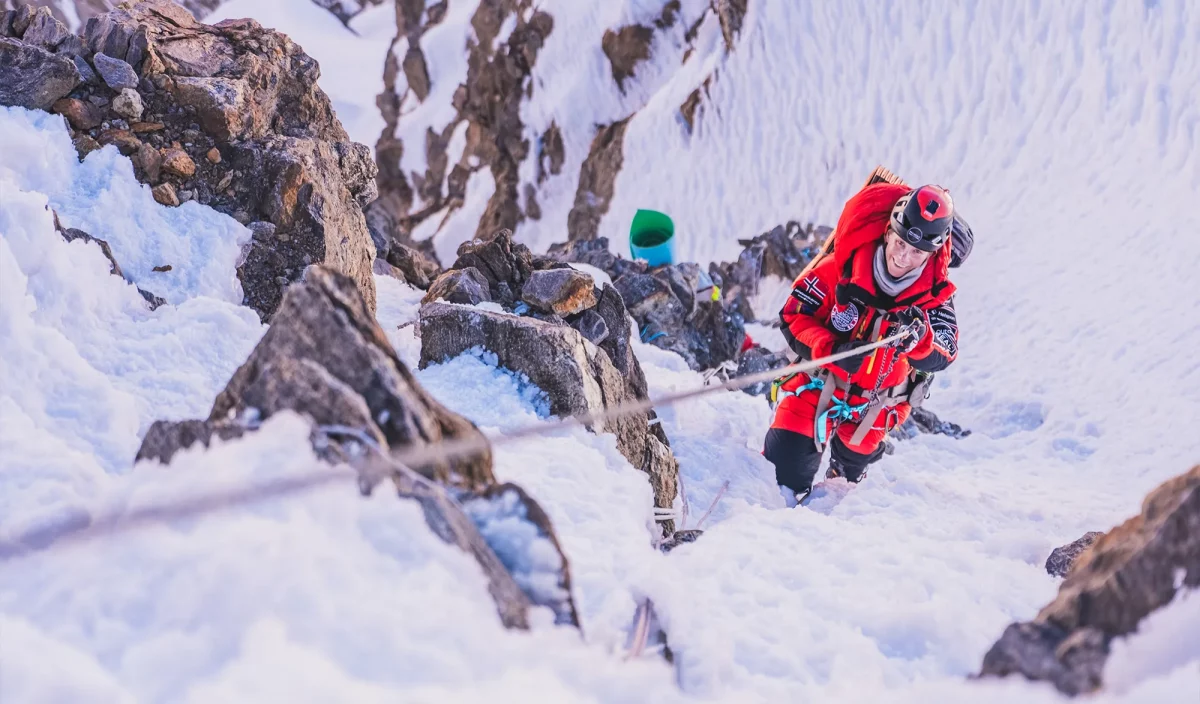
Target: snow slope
x,y
1067,134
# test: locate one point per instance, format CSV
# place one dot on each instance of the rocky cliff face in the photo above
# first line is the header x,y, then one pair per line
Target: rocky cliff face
x,y
228,115
565,172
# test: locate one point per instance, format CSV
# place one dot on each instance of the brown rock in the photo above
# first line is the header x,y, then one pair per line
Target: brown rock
x,y
563,292
176,162
214,156
1133,570
165,193
85,145
145,127
597,176
123,140
625,49
148,161
466,286
80,114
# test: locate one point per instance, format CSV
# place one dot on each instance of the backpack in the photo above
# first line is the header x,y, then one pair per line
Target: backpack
x,y
962,239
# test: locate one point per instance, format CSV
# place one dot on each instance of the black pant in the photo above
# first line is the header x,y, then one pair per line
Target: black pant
x,y
796,459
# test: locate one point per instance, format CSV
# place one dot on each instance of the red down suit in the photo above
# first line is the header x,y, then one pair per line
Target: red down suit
x,y
838,301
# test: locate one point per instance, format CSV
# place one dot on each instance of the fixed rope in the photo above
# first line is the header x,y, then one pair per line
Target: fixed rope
x,y
76,529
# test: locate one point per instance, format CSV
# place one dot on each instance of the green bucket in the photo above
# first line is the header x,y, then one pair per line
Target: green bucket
x,y
652,237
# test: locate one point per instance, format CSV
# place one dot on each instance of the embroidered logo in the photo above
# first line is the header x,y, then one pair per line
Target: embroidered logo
x,y
844,319
812,285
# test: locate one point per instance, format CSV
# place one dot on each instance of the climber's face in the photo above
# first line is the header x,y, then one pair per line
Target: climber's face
x,y
901,256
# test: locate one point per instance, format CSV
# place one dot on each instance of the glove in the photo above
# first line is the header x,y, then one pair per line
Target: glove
x,y
849,364
917,321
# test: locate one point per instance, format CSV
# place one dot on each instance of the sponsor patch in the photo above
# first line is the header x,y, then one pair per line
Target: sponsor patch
x,y
809,295
844,319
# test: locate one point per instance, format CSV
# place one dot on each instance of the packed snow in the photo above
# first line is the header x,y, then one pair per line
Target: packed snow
x,y
1065,132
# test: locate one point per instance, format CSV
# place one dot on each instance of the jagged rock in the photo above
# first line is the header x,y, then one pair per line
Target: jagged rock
x,y
325,358
178,163
597,176
577,377
926,421
417,269
1063,558
612,309
731,14
128,104
116,73
563,292
80,114
250,94
1130,572
125,141
591,325
84,145
757,360
466,286
488,103
625,49
521,534
165,438
593,252
324,319
165,193
551,154
505,264
33,78
44,31
147,164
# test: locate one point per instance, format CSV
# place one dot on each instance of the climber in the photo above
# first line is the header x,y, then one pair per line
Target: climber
x,y
887,273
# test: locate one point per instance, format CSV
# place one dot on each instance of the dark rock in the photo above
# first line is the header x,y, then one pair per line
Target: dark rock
x,y
926,421
86,73
591,325
757,360
1127,574
416,72
1063,558
597,176
33,78
417,269
325,320
551,153
625,49
593,252
71,234
44,31
165,438
678,538
116,73
466,286
80,114
577,377
505,264
563,292
612,309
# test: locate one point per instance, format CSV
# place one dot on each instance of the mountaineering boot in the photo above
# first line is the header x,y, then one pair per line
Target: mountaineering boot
x,y
853,475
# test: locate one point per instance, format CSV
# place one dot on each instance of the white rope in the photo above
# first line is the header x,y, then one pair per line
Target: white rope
x,y
73,531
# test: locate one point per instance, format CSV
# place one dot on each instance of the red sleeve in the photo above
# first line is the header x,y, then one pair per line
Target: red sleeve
x,y
805,316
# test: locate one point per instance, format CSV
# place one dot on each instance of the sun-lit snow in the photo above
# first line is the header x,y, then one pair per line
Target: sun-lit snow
x,y
1065,131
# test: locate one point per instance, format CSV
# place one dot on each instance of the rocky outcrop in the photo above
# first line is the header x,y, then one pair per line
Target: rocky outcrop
x,y
486,106
228,115
84,10
33,77
597,176
578,377
1133,570
1063,558
325,358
